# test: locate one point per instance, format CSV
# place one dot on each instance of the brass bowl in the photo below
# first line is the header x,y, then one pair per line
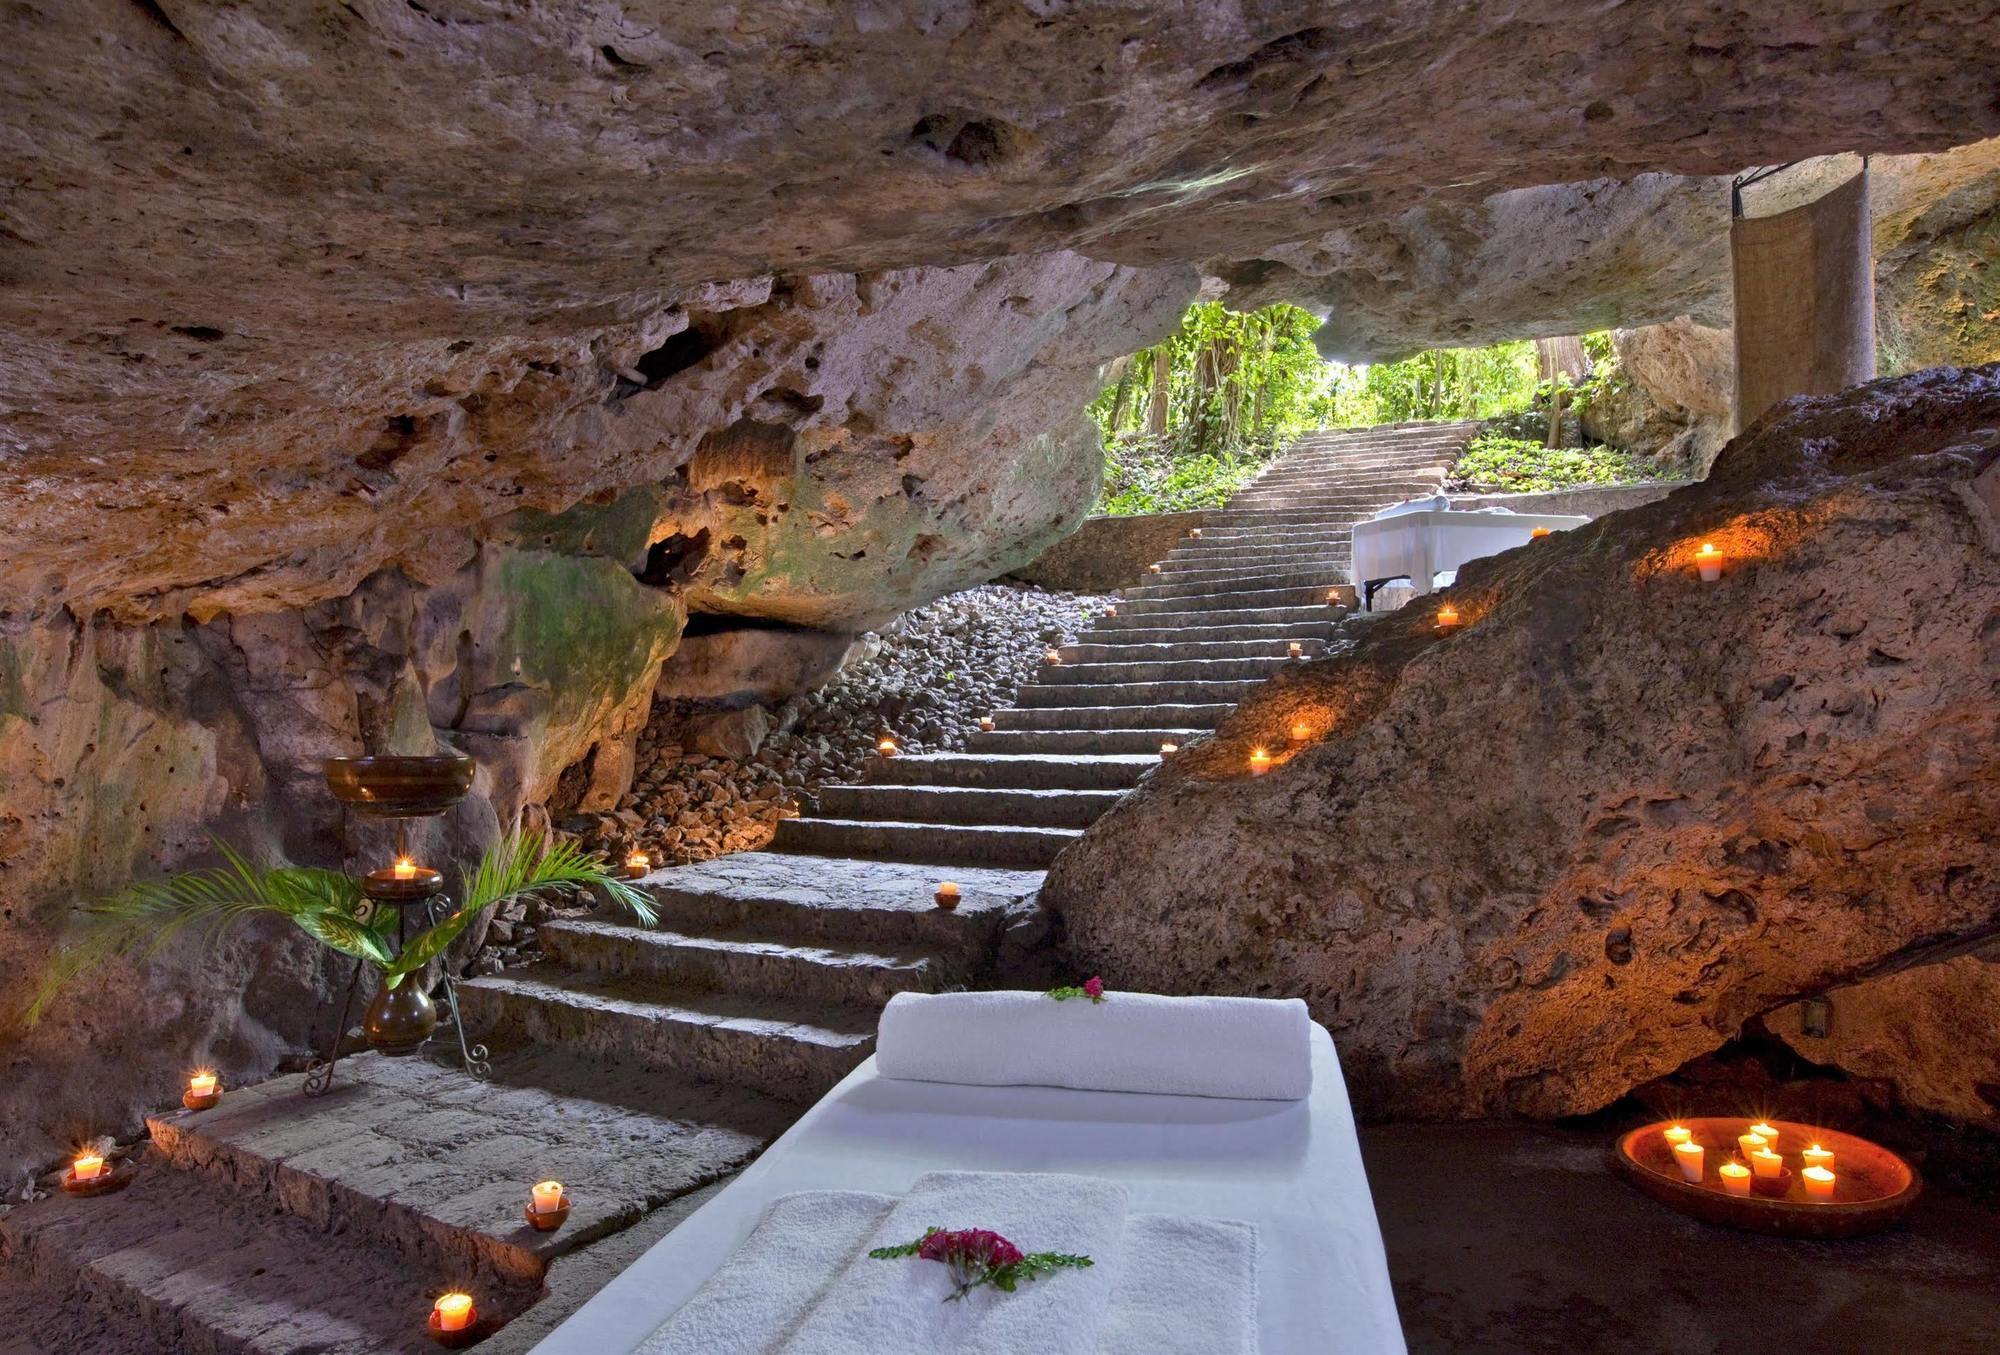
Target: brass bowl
x,y
400,787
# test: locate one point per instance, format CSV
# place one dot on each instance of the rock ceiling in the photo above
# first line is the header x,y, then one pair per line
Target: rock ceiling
x,y
290,291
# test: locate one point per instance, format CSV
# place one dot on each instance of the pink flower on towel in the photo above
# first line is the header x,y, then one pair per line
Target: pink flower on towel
x,y
980,1256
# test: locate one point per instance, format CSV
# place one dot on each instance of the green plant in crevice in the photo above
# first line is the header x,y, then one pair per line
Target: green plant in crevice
x,y
140,919
1493,461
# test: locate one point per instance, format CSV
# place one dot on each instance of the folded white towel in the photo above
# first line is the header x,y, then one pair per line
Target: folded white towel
x,y
754,1301
898,1307
1253,1048
1186,1286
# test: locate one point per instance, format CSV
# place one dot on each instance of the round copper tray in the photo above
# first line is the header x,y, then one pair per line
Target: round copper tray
x,y
400,787
1873,1187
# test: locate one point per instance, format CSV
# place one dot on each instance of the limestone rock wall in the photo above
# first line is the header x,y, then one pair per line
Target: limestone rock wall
x,y
1525,867
124,748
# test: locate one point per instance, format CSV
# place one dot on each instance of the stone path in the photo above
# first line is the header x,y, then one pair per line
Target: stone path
x,y
770,968
640,1067
274,1224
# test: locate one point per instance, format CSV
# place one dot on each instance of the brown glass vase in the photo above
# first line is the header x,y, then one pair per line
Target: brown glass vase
x,y
399,1019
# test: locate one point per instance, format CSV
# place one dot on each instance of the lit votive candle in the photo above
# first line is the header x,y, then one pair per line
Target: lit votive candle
x,y
1735,1178
638,863
548,1196
1333,597
1538,533
1260,762
87,1166
1447,617
887,748
946,896
1195,532
1770,1134
1749,1143
986,723
1768,1165
1817,1156
202,1084
1111,611
1169,749
1301,731
1709,561
1819,1183
1152,569
1051,656
454,1312
1677,1134
1687,1156
404,869
1295,650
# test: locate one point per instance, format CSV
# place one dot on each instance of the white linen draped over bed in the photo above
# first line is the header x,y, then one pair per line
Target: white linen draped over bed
x,y
1291,1169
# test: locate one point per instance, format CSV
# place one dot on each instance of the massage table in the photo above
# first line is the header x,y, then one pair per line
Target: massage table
x,y
1293,1168
1418,543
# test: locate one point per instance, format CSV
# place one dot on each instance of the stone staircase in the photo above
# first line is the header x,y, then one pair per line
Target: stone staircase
x,y
770,968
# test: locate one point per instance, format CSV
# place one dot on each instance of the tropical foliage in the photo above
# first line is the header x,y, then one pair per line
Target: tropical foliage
x,y
1493,461
138,920
1191,420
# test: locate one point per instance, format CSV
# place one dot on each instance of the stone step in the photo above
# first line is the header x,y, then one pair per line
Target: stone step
x,y
1013,807
1318,578
1080,742
426,1162
1302,623
1249,604
1177,669
1144,654
788,1049
1026,770
742,962
1228,541
1184,716
175,1263
951,845
1269,518
1235,559
1345,481
1042,695
842,901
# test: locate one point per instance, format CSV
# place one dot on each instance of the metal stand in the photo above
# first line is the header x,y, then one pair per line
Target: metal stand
x,y
399,788
474,1056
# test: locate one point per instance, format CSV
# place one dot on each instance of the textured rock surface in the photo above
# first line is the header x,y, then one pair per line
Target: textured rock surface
x,y
1674,395
1525,867
1570,258
1108,553
1919,1040
280,314
123,748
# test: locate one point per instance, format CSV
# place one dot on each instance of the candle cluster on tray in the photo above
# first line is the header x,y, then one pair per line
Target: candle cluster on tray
x,y
1758,1163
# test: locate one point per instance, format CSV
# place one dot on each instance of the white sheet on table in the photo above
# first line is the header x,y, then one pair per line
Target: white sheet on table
x,y
1421,544
1292,1169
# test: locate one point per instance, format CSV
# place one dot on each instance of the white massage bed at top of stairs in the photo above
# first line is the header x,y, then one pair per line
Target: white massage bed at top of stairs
x,y
1292,1168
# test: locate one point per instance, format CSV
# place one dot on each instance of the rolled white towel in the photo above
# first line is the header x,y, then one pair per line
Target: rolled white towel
x,y
756,1298
898,1307
1252,1048
1186,1286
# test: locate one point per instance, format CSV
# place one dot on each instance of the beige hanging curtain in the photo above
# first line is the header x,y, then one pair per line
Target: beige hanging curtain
x,y
1805,300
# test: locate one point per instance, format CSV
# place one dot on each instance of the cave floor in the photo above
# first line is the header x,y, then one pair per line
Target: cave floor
x,y
1518,1239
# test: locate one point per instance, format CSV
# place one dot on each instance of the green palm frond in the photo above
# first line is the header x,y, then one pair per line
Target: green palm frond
x,y
137,921
518,864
